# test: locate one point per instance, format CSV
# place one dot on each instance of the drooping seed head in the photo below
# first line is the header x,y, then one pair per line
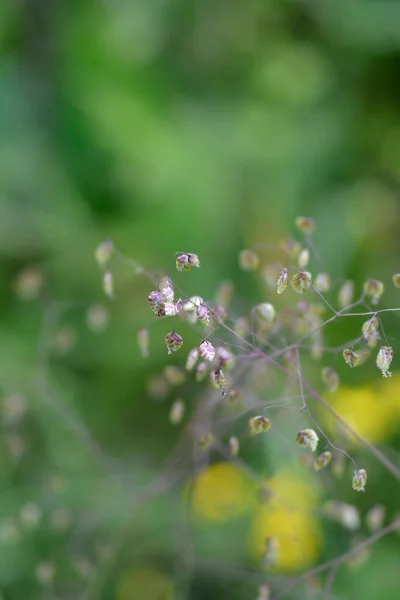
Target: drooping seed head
x,y
259,424
308,439
206,350
192,304
370,331
265,312
203,315
351,358
370,326
156,301
384,359
170,309
189,308
322,460
166,290
359,480
283,280
301,281
305,225
374,289
173,341
184,262
193,260
396,280
218,378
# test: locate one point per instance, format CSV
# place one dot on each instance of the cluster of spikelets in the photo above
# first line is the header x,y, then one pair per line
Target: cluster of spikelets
x,y
383,359
306,319
210,360
308,438
163,304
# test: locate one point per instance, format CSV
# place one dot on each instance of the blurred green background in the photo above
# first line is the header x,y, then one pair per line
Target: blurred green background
x,y
177,125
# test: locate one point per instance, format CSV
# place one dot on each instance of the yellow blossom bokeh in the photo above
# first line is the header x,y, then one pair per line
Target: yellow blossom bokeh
x,y
223,491
373,411
288,518
220,492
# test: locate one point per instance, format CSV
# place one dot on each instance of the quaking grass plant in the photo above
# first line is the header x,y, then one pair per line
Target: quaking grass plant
x,y
247,358
240,383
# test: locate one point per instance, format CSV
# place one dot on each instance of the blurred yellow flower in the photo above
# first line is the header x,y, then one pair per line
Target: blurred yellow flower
x,y
288,519
145,582
372,411
220,492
